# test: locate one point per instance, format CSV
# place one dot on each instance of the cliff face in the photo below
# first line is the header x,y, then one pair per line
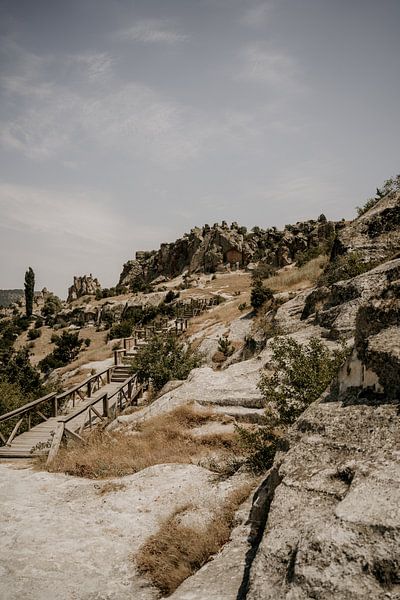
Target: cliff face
x,y
208,248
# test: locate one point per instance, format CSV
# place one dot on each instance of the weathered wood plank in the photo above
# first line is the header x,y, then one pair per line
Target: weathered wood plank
x,y
56,443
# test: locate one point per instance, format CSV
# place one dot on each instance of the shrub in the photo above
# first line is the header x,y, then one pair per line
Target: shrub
x,y
87,342
242,306
225,346
51,307
34,334
16,368
39,323
162,359
301,374
67,349
263,271
344,267
391,185
259,294
171,296
121,330
260,446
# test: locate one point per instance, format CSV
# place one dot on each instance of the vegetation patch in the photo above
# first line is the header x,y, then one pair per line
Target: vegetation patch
x,y
164,439
345,267
300,374
164,358
177,550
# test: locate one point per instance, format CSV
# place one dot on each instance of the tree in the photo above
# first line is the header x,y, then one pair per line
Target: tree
x,y
162,359
29,291
259,294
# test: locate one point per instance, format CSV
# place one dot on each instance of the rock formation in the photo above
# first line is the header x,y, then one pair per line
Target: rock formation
x,y
83,286
208,248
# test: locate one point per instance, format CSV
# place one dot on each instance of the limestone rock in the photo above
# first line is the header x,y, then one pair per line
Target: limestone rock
x,y
83,286
375,235
216,248
333,526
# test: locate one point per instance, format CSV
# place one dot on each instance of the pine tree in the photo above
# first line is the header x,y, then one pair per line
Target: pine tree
x,y
29,291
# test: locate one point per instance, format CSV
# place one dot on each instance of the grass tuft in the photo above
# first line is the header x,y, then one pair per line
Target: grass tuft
x,y
177,550
163,439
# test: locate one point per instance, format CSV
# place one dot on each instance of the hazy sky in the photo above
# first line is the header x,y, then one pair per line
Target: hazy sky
x,y
124,123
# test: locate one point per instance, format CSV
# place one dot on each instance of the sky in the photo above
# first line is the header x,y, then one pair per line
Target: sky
x,y
125,123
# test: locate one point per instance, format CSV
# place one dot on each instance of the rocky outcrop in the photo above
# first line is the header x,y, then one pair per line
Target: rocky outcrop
x,y
333,527
85,285
375,235
207,249
335,308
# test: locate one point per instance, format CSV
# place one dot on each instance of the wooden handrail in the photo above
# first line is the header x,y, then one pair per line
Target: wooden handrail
x,y
81,409
78,386
26,407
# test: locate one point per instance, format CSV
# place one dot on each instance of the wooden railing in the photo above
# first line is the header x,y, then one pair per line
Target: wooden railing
x,y
127,394
28,411
86,388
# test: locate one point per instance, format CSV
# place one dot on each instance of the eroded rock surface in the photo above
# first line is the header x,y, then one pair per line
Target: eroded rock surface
x,y
63,538
333,529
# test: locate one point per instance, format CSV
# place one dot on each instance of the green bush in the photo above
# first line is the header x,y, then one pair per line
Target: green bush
x,y
344,267
259,294
16,368
225,346
301,374
121,330
67,349
34,334
162,359
260,446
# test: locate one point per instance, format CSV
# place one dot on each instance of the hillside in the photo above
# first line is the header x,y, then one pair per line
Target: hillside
x,y
8,297
266,471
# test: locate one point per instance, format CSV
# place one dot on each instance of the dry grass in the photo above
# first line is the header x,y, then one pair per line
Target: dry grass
x,y
298,278
164,439
177,550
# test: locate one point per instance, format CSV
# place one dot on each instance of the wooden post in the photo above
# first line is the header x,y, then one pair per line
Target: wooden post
x,y
130,389
29,420
55,445
109,376
106,408
89,388
55,408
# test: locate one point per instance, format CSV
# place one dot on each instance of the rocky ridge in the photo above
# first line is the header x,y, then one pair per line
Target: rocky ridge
x,y
208,249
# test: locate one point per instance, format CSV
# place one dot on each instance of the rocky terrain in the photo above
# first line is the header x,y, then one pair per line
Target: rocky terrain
x,y
324,522
209,249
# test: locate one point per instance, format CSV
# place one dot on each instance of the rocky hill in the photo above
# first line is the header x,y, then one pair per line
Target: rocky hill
x,y
324,521
8,297
220,247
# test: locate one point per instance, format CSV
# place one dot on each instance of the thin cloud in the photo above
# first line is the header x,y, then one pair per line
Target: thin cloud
x,y
256,15
152,31
261,64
